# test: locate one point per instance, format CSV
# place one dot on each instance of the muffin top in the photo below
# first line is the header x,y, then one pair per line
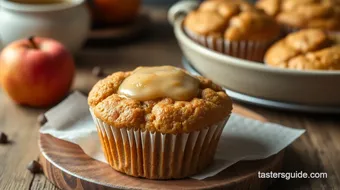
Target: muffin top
x,y
323,14
164,99
311,49
231,20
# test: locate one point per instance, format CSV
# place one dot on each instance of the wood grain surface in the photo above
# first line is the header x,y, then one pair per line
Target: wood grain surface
x,y
317,150
68,167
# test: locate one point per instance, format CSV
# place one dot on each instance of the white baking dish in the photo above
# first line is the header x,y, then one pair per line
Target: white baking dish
x,y
256,79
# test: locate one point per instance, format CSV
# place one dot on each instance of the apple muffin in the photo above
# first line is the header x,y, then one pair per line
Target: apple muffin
x,y
308,49
159,122
232,27
300,14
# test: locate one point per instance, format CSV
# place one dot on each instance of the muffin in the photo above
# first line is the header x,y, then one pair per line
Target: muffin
x,y
300,14
159,122
233,27
308,49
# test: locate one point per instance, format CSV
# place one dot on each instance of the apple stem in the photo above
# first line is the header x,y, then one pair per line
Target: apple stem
x,y
34,45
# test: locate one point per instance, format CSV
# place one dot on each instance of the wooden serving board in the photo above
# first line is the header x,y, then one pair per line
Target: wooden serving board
x,y
68,167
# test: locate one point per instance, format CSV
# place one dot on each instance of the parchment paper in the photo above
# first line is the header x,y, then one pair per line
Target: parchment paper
x,y
242,138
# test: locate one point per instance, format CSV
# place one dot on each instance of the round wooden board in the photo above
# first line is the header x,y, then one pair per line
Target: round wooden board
x,y
68,167
121,32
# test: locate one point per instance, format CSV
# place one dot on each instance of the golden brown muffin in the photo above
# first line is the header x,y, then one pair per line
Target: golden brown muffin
x,y
235,22
298,14
232,19
160,138
309,49
163,115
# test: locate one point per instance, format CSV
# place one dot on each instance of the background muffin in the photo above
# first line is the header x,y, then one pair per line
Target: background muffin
x,y
163,137
299,14
233,27
306,49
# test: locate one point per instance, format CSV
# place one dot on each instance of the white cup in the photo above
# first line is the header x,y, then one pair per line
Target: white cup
x,y
69,23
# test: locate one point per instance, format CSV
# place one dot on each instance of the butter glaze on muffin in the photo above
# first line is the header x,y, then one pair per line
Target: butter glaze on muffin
x,y
322,14
309,49
163,115
232,20
149,83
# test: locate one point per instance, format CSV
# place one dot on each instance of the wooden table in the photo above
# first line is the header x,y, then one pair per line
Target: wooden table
x,y
317,150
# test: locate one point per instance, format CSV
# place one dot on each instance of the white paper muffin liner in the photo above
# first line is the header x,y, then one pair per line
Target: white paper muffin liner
x,y
156,155
250,50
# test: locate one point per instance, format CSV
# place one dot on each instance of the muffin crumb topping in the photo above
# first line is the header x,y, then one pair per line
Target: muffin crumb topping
x,y
233,20
311,49
323,14
166,115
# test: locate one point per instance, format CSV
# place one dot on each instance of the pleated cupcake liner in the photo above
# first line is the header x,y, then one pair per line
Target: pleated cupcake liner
x,y
250,50
155,155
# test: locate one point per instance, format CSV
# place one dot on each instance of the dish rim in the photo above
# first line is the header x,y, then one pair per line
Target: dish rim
x,y
274,104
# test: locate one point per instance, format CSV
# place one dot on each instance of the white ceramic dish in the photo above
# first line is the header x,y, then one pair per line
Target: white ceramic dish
x,y
269,103
316,88
68,23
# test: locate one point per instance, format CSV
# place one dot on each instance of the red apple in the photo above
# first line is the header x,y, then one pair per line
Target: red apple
x,y
36,71
114,11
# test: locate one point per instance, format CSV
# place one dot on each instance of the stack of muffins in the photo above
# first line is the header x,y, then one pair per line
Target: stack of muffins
x,y
298,14
309,49
233,27
240,29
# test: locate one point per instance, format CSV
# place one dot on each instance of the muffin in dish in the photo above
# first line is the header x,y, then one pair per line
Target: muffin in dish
x,y
159,122
308,49
233,27
299,14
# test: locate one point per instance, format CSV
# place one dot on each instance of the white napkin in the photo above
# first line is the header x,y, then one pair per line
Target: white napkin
x,y
242,138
